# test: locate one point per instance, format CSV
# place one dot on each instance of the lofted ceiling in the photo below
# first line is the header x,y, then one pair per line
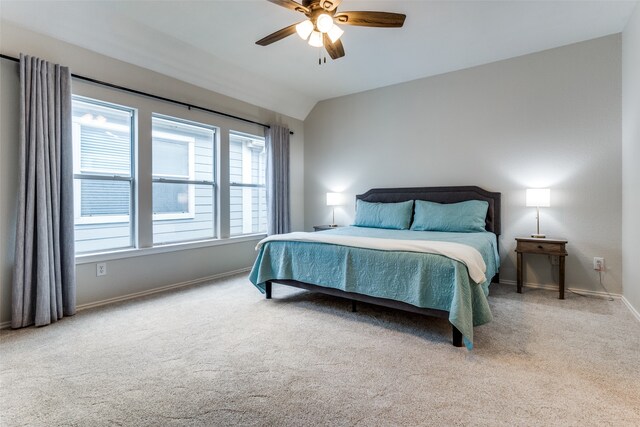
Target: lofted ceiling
x,y
211,43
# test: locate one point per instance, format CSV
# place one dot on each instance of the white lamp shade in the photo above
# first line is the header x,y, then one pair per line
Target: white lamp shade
x,y
324,23
539,197
304,29
334,199
316,39
335,33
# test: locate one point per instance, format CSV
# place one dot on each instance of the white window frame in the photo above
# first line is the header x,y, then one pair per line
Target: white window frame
x,y
92,174
247,188
178,179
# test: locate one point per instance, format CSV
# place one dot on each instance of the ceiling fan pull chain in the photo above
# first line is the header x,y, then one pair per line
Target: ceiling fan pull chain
x,y
321,60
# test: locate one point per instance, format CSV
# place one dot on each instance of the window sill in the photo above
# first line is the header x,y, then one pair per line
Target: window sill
x,y
160,249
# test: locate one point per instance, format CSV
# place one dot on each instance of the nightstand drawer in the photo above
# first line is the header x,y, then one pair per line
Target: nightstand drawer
x,y
541,248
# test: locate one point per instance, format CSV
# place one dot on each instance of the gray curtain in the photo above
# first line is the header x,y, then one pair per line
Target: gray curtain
x,y
278,217
44,285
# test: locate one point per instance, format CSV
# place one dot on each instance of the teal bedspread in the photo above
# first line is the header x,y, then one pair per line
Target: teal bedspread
x,y
423,280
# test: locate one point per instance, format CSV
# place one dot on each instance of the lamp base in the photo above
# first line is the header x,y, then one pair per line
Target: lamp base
x,y
333,225
538,236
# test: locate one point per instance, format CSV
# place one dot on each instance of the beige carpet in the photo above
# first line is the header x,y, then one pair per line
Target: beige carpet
x,y
219,354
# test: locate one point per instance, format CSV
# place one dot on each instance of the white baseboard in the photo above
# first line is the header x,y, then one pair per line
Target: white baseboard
x,y
597,294
7,324
160,289
631,308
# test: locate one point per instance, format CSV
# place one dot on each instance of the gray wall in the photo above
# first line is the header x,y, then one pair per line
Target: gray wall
x,y
631,159
147,269
549,119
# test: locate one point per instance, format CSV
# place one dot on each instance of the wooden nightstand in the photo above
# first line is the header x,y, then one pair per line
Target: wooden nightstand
x,y
542,246
323,227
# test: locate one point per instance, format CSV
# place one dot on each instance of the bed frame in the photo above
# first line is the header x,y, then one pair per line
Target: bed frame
x,y
391,195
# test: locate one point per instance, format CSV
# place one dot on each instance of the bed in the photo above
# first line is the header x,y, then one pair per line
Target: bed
x,y
412,267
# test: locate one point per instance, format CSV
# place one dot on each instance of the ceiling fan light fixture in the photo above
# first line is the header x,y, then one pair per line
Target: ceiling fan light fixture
x,y
316,39
304,29
335,33
324,23
319,26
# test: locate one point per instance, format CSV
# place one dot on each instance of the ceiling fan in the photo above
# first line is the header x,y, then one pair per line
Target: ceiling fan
x,y
320,27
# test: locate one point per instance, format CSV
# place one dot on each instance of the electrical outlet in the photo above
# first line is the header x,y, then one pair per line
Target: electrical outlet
x,y
101,269
598,263
555,260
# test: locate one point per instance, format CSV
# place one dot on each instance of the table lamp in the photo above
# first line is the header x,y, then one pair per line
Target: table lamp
x,y
333,200
538,197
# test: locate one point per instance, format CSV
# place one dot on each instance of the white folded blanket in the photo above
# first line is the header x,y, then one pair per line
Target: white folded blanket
x,y
467,255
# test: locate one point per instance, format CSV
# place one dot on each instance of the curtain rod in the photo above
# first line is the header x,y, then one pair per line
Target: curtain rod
x,y
150,95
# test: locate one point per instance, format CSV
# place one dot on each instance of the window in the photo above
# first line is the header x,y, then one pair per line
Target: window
x,y
248,201
180,203
183,180
103,175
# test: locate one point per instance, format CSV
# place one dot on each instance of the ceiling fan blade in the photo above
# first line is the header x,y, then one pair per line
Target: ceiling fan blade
x,y
335,50
330,4
278,35
371,19
290,4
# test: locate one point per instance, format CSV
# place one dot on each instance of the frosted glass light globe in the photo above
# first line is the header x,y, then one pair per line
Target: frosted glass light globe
x,y
304,29
324,23
335,33
316,39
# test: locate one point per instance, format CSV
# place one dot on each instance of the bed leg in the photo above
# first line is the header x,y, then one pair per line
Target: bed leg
x,y
267,289
457,337
353,306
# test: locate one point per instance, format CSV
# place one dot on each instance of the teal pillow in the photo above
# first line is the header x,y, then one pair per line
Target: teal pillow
x,y
465,217
384,215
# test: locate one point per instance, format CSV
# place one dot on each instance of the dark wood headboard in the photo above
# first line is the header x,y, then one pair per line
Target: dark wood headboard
x,y
440,195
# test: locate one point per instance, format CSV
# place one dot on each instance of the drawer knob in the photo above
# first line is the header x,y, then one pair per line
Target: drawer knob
x,y
539,246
